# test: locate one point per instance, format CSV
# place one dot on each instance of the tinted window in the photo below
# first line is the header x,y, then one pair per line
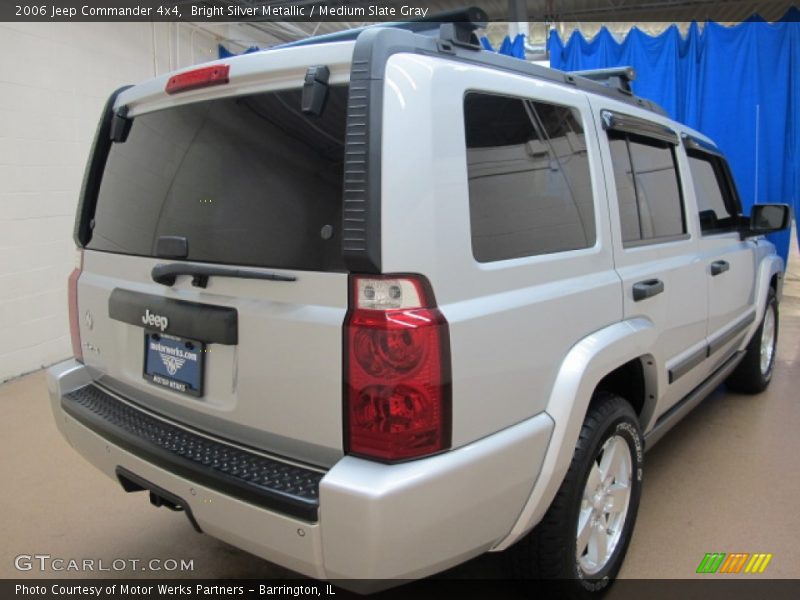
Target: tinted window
x,y
626,190
529,184
247,180
648,189
715,204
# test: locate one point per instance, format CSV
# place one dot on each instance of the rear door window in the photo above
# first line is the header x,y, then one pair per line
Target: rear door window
x,y
648,189
249,180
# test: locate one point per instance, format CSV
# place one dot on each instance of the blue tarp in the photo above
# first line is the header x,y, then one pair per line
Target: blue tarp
x,y
739,85
515,48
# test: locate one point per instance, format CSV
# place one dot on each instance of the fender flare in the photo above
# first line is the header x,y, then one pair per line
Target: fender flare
x,y
582,369
771,264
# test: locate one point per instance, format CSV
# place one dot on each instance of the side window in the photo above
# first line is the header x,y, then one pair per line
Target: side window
x,y
530,190
626,190
715,201
648,188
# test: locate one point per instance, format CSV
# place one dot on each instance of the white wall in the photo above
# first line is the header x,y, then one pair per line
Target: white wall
x,y
54,80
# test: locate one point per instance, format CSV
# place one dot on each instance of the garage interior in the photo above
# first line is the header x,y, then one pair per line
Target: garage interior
x,y
723,480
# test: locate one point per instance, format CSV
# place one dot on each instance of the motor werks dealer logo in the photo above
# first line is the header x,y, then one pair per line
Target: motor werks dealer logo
x,y
172,363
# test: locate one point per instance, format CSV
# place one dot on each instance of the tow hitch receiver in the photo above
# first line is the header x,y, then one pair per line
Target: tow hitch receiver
x,y
158,496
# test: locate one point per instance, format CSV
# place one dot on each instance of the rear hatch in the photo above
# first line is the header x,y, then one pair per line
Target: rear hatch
x,y
213,289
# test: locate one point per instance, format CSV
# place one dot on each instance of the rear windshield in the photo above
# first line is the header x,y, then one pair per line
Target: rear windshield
x,y
249,180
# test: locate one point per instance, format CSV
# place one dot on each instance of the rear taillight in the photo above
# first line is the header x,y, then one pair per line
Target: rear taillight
x,y
72,293
397,369
198,78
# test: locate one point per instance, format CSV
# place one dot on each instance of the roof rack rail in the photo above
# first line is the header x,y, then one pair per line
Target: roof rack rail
x,y
453,33
463,22
614,77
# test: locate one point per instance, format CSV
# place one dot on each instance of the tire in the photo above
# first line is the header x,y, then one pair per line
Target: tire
x,y
549,552
752,376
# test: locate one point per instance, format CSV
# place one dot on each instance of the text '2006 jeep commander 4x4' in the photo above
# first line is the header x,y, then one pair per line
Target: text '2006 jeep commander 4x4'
x,y
370,307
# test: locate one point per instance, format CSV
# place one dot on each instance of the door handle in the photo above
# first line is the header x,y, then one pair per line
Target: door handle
x,y
647,289
719,266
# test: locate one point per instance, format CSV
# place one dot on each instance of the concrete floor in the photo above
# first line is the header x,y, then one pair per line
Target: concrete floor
x,y
724,480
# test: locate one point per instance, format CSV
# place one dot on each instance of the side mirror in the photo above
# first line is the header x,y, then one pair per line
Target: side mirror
x,y
766,218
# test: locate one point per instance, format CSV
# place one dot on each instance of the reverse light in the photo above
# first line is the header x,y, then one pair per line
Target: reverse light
x,y
198,78
72,301
397,370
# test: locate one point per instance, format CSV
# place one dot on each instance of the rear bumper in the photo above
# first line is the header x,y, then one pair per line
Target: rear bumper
x,y
374,521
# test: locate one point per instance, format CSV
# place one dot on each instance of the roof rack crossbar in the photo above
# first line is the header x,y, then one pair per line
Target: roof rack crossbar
x,y
457,41
457,26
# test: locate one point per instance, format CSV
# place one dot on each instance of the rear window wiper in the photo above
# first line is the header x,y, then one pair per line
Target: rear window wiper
x,y
168,273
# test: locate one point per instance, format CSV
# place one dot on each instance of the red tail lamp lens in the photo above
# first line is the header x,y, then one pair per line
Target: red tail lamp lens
x,y
398,370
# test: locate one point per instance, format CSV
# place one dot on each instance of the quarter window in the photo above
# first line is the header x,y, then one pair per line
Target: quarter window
x,y
530,189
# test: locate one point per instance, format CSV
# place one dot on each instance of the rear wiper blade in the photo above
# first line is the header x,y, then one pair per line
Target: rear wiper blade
x,y
168,273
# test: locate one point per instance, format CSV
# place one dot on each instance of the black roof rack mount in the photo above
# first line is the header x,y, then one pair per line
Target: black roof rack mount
x,y
615,77
461,31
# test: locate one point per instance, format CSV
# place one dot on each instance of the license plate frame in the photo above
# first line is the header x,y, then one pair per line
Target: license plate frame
x,y
165,356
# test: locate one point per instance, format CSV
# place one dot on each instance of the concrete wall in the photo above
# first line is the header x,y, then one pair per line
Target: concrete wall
x,y
54,79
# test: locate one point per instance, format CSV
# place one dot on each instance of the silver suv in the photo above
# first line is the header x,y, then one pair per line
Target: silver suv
x,y
371,305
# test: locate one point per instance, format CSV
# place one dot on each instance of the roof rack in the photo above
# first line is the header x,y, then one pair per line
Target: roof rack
x,y
453,34
614,77
463,19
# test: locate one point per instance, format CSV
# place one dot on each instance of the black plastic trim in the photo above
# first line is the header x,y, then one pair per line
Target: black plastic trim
x,y
93,174
719,266
120,125
620,77
687,364
647,289
166,274
269,483
172,246
690,362
675,413
719,341
315,90
202,322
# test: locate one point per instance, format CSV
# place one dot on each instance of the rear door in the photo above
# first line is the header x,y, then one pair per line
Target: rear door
x,y
655,245
248,189
729,260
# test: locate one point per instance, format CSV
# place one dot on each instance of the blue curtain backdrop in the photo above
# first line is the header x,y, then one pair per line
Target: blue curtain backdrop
x,y
515,47
739,85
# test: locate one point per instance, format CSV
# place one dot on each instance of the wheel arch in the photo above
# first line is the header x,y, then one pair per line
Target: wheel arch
x,y
635,381
769,275
599,357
